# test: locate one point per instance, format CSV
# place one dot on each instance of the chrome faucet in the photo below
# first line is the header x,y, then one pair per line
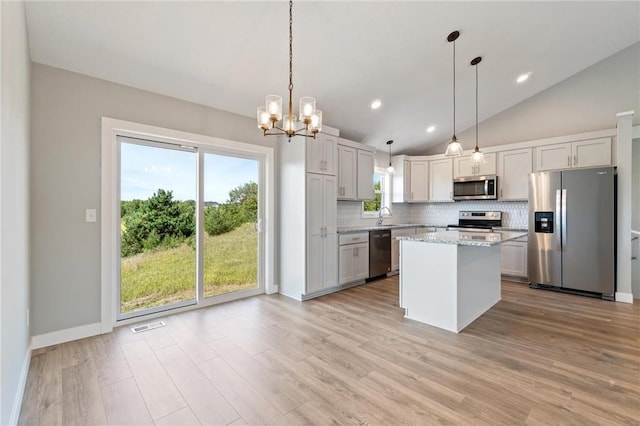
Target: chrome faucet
x,y
380,217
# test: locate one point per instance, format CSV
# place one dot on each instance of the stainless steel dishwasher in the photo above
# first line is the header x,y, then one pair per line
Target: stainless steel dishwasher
x,y
379,252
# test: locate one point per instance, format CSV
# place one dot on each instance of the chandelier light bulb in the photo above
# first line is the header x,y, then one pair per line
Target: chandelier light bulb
x,y
263,118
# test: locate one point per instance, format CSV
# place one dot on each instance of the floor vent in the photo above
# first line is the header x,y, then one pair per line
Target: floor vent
x,y
147,327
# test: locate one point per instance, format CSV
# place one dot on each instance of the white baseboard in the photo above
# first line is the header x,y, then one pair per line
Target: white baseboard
x,y
66,335
624,297
22,384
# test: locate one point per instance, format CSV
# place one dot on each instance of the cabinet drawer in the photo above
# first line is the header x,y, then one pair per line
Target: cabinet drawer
x,y
358,237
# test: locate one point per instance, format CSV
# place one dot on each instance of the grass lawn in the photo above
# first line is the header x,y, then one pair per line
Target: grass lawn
x,y
164,276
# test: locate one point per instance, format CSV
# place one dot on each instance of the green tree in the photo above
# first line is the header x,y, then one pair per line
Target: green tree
x,y
242,207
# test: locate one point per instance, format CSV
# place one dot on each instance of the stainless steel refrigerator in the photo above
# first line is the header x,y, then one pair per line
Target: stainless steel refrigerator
x,y
572,230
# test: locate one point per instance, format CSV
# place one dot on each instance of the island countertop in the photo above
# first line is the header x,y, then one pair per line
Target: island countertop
x,y
479,239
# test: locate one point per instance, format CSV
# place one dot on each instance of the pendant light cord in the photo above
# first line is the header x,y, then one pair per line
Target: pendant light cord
x,y
476,106
290,60
454,89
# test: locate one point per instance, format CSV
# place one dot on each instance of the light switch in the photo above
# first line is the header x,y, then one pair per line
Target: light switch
x,y
90,215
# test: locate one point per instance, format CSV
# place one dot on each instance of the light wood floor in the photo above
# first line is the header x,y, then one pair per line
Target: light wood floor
x,y
537,357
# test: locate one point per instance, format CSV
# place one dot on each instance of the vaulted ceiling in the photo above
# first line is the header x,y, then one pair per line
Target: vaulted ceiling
x,y
230,54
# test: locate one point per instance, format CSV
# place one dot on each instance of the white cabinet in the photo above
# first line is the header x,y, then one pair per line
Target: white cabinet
x,y
353,257
347,172
513,258
513,174
322,256
419,187
441,180
355,172
585,153
401,187
395,245
322,154
365,175
463,166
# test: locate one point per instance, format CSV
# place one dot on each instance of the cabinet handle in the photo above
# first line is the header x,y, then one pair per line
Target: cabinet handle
x,y
412,195
569,161
575,160
356,251
500,192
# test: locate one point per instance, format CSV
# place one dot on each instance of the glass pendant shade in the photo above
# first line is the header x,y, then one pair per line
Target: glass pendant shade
x,y
391,170
263,118
316,121
307,108
454,148
478,157
274,107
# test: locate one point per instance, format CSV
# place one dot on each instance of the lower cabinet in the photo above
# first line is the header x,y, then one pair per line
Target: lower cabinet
x,y
513,258
353,257
395,246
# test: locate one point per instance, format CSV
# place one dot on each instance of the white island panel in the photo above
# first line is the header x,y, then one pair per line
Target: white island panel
x,y
448,279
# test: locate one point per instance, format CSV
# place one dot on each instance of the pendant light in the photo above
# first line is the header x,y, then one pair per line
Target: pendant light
x,y
390,169
477,157
270,119
454,149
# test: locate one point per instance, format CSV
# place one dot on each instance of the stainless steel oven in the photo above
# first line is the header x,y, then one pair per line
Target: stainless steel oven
x,y
476,188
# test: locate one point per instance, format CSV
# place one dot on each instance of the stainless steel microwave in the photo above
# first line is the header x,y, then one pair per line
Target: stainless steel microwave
x,y
475,188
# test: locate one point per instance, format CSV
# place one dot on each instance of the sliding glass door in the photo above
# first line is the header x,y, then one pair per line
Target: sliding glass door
x,y
189,226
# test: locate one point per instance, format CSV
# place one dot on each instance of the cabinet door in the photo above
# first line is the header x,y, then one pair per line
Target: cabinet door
x,y
590,153
329,153
488,167
315,154
419,187
346,265
329,205
462,166
513,171
330,261
365,175
395,253
315,249
315,207
361,261
441,180
553,157
513,258
346,173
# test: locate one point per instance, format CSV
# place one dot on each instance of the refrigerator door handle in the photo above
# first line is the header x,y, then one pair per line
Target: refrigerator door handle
x,y
559,220
564,220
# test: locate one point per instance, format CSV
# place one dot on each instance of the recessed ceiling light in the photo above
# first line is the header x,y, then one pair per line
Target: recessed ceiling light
x,y
431,129
376,104
522,78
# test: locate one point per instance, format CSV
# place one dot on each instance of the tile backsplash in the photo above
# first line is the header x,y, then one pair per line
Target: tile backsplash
x,y
514,213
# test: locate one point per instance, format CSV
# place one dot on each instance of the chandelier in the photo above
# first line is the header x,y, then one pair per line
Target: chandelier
x,y
270,118
454,148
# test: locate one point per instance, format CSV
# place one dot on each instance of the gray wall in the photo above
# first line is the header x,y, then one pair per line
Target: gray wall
x,y
14,208
66,136
584,102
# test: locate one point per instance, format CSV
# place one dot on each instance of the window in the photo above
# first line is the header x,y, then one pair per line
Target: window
x,y
381,195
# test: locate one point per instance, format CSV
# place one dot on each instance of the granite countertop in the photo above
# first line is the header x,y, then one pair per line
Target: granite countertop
x,y
479,239
363,228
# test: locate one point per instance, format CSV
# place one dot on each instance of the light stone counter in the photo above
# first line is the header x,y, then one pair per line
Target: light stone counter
x,y
479,239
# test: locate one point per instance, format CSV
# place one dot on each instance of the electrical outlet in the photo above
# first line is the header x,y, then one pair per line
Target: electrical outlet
x,y
90,215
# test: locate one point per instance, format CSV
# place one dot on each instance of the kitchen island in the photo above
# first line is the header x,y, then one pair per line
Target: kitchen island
x,y
450,278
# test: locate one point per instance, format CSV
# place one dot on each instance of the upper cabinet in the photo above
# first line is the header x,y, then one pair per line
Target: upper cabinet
x,y
463,166
419,189
365,175
513,174
441,180
347,169
401,188
322,154
585,153
355,171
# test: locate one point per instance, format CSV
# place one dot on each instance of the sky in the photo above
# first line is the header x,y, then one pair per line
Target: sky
x,y
145,169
